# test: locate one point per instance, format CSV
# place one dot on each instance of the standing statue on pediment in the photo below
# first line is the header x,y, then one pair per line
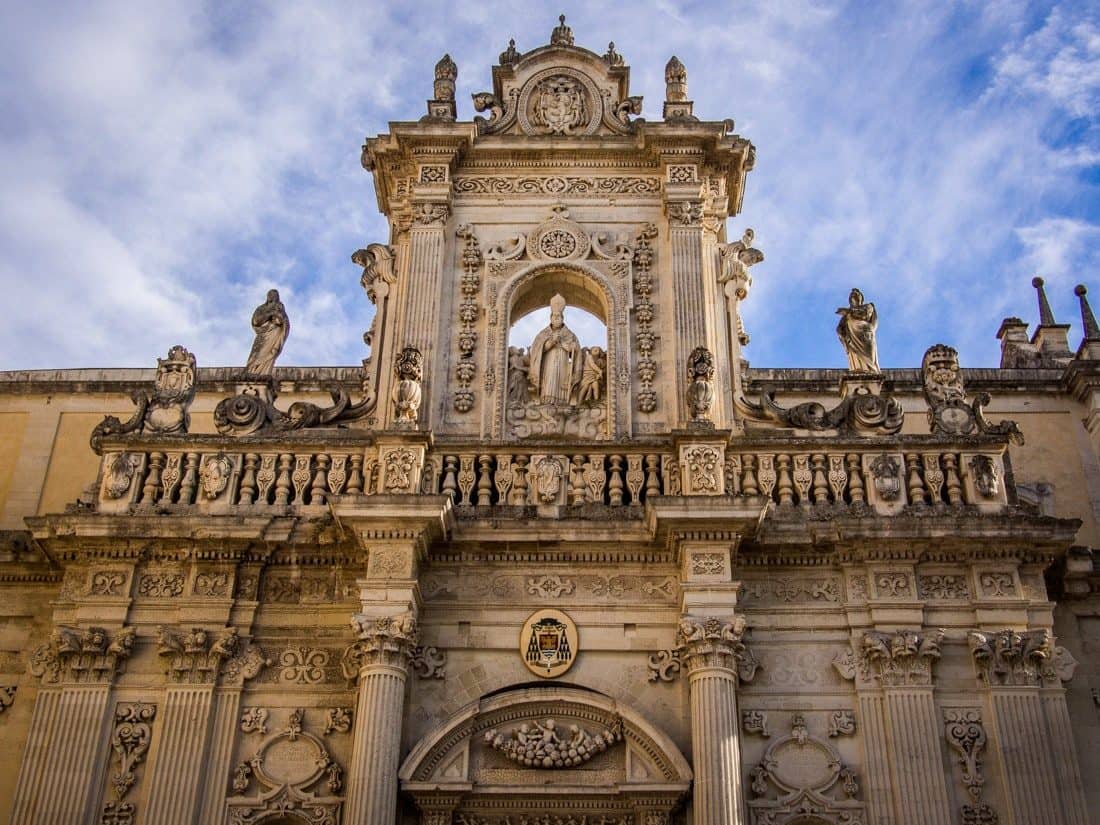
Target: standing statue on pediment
x,y
856,330
272,326
593,375
556,362
517,377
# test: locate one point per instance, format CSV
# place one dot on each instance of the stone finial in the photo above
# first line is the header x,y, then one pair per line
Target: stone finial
x,y
612,57
509,55
446,72
562,34
1088,320
442,105
676,81
677,106
1046,315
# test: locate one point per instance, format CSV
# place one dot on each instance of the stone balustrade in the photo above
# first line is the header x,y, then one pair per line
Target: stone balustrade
x,y
215,473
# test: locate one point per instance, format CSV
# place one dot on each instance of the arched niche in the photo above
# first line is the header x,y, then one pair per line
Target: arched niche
x,y
582,286
470,760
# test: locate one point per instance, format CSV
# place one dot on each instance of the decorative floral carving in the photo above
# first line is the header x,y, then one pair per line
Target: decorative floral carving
x,y
254,720
160,585
303,665
551,586
842,723
540,745
399,464
468,313
406,394
1011,657
999,584
117,813
943,586
708,564
212,585
665,665
7,696
107,583
338,720
428,662
556,185
703,465
904,657
964,732
430,214
892,585
755,721
82,655
130,741
685,213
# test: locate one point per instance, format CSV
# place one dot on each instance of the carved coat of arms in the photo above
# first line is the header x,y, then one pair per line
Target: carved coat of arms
x,y
548,643
560,105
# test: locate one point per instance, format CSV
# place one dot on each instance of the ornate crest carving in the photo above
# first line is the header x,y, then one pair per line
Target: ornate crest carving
x,y
549,643
950,412
166,411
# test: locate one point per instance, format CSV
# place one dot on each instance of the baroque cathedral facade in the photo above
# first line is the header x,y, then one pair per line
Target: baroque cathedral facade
x,y
495,579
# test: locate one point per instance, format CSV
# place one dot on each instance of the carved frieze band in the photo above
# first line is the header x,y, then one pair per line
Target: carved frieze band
x,y
556,185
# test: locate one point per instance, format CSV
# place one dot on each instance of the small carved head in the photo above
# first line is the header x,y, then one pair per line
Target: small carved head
x,y
986,477
855,298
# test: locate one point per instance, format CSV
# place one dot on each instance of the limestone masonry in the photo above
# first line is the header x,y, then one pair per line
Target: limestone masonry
x,y
563,578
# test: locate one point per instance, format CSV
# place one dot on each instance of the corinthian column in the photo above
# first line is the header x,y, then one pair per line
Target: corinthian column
x,y
379,660
714,652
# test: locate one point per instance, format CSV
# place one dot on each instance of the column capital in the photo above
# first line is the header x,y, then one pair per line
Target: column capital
x,y
1020,658
384,641
713,643
900,658
88,655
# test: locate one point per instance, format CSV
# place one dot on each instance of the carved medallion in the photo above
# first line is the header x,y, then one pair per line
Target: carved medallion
x,y
548,643
559,101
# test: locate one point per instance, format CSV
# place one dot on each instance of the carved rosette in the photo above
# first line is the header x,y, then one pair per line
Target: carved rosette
x,y
468,312
901,658
387,641
82,655
709,642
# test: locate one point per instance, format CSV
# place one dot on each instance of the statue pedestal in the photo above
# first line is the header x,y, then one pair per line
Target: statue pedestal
x,y
861,383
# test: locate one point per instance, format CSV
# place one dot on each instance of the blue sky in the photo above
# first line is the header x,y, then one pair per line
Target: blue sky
x,y
162,165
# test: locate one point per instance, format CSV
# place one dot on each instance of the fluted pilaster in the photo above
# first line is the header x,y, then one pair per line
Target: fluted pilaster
x,y
1065,756
66,756
226,713
175,778
877,787
918,771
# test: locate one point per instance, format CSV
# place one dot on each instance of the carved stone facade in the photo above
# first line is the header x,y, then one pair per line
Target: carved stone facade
x,y
556,579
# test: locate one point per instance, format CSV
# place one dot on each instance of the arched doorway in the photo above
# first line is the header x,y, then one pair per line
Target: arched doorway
x,y
540,751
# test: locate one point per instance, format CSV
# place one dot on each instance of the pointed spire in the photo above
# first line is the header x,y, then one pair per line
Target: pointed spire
x,y
442,105
676,81
1046,315
1088,320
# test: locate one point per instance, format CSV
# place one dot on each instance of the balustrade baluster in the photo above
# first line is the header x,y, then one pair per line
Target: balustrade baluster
x,y
615,487
484,480
450,477
821,486
803,479
466,478
933,477
319,489
190,479
652,475
503,477
855,479
519,485
355,475
595,479
282,481
838,478
786,488
152,478
951,473
748,477
248,478
916,483
634,478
